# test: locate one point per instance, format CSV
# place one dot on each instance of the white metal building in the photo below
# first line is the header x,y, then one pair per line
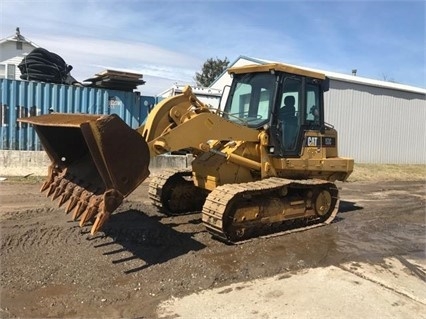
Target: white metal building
x,y
377,121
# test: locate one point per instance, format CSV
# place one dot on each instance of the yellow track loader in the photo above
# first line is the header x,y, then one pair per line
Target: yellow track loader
x,y
264,163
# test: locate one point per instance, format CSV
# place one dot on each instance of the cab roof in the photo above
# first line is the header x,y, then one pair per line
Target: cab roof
x,y
253,68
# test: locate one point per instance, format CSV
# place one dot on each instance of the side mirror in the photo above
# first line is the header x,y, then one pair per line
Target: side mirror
x,y
325,84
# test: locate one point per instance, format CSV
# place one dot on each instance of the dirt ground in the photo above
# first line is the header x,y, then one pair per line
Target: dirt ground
x,y
50,267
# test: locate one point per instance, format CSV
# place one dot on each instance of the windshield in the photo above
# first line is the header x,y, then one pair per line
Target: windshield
x,y
250,100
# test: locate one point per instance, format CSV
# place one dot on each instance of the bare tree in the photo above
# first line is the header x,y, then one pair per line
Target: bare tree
x,y
386,78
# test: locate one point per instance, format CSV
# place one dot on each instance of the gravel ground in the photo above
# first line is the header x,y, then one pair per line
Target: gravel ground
x,y
50,267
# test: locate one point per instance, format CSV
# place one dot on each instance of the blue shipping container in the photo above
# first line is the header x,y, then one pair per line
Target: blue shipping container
x,y
28,98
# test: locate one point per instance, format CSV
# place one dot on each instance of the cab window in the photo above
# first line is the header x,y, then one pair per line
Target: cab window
x,y
251,99
312,104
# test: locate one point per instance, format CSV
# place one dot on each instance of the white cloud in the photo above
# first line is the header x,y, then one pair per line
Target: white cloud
x,y
172,39
89,56
92,49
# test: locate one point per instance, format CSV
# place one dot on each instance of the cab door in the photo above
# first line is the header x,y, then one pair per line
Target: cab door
x,y
289,113
299,108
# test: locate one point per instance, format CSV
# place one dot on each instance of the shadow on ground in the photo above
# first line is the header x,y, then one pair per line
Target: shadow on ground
x,y
158,239
146,238
346,206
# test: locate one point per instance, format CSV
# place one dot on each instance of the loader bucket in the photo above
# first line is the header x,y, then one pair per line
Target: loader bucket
x,y
96,162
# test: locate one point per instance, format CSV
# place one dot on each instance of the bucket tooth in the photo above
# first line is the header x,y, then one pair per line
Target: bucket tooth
x,y
88,215
92,209
57,193
56,182
52,173
65,197
110,201
73,202
78,210
52,188
75,198
66,194
45,186
60,189
101,219
83,216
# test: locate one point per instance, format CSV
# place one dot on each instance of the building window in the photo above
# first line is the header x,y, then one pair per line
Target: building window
x,y
18,45
11,71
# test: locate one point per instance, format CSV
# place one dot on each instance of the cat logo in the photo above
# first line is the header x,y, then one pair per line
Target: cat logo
x,y
312,141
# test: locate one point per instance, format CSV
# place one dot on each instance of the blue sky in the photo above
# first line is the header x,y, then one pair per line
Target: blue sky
x,y
168,41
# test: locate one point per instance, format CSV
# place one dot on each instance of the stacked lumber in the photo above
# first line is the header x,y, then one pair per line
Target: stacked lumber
x,y
116,80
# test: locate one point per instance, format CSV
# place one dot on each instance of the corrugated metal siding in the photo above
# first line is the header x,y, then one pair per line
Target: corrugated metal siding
x,y
26,98
377,125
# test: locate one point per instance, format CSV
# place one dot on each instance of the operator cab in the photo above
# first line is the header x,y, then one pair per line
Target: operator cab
x,y
286,100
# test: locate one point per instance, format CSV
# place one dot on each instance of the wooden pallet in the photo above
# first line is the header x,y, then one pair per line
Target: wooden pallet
x,y
115,79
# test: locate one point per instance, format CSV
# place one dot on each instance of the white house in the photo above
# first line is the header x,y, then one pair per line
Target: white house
x,y
12,51
377,121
